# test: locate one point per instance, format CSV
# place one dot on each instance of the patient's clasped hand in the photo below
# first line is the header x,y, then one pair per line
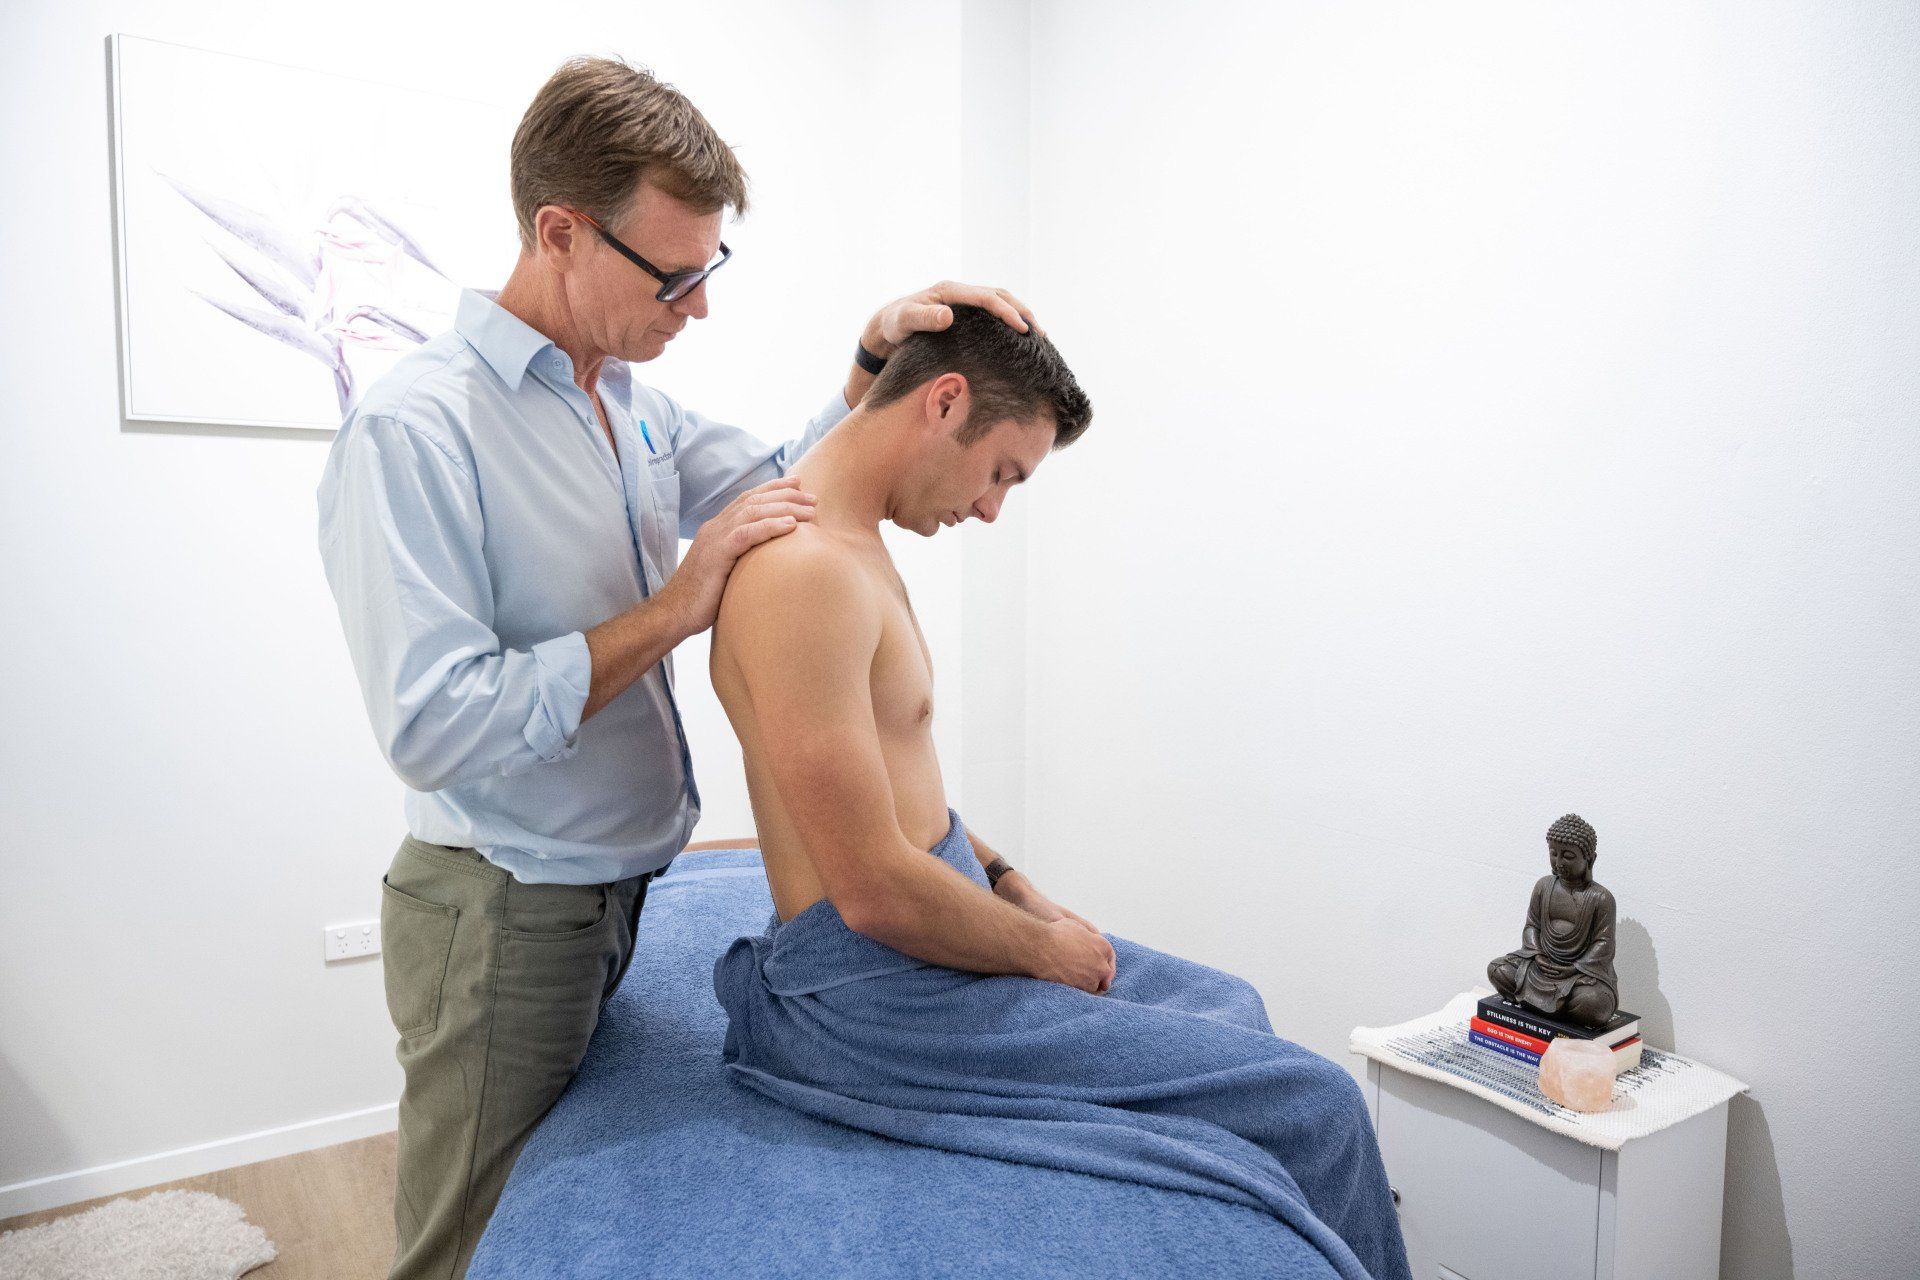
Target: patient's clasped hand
x,y
893,990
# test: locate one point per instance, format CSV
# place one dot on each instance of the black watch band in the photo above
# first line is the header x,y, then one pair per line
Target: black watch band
x,y
995,869
867,360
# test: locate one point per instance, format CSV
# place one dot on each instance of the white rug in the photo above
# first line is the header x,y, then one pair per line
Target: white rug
x,y
169,1235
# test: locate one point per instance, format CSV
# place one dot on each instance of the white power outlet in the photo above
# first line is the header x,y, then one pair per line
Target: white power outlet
x,y
345,941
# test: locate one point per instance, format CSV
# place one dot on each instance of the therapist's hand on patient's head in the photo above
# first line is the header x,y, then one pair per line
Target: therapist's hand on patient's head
x,y
762,513
931,310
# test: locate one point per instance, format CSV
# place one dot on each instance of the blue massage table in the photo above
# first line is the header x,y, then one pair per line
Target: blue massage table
x,y
655,1163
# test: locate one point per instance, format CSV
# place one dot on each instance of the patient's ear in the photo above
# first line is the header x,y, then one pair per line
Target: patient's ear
x,y
946,403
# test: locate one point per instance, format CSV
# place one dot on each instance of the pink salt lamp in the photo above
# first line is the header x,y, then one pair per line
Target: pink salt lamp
x,y
1577,1073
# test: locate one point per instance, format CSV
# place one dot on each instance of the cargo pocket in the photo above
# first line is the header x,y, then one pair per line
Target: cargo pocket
x,y
416,939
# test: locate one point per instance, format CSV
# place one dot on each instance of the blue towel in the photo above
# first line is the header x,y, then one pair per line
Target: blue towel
x,y
1173,1078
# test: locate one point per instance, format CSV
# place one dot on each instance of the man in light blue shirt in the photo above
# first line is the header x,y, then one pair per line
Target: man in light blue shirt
x,y
500,521
477,522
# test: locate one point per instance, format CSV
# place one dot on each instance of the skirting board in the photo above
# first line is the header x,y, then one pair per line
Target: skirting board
x,y
188,1162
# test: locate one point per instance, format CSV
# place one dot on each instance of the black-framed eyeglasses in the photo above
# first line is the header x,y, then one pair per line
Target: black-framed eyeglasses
x,y
674,285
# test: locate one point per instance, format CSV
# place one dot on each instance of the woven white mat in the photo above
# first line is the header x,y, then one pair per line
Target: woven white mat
x,y
168,1235
1663,1090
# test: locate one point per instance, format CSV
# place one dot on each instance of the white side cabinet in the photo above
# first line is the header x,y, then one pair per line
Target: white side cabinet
x,y
1484,1194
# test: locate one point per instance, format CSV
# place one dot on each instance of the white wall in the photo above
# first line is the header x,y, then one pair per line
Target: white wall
x,y
191,789
996,36
1501,410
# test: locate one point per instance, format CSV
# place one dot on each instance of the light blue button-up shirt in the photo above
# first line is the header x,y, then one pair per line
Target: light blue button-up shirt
x,y
475,525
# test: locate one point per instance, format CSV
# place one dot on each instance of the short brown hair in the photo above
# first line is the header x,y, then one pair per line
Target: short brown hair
x,y
1009,375
597,127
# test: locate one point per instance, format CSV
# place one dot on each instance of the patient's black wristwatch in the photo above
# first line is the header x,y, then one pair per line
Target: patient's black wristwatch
x,y
995,869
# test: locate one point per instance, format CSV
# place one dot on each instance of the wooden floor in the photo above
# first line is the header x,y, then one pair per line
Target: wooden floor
x,y
329,1212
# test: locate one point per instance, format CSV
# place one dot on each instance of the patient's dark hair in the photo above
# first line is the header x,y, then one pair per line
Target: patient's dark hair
x,y
1009,375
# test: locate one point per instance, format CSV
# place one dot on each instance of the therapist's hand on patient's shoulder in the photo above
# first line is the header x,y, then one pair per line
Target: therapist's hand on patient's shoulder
x,y
1077,957
931,310
768,511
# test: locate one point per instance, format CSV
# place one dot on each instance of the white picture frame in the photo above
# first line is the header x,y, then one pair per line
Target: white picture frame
x,y
284,235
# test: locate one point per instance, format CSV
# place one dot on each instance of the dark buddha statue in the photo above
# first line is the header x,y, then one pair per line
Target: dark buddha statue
x,y
1564,966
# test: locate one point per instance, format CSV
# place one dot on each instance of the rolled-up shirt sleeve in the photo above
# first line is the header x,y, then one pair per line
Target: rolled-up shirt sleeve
x,y
718,462
401,536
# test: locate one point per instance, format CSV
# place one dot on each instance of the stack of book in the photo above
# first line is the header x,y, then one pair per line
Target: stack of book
x,y
1522,1033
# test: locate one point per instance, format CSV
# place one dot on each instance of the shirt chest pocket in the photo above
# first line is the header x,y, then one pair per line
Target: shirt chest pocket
x,y
663,503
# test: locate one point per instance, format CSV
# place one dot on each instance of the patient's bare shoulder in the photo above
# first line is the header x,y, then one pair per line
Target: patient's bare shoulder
x,y
794,565
793,592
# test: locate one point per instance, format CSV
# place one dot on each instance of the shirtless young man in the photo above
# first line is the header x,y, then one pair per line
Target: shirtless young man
x,y
819,660
865,1001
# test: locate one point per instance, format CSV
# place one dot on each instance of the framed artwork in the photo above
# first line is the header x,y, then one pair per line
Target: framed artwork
x,y
285,235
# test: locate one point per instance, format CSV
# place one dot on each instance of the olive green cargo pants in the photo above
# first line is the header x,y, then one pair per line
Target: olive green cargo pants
x,y
495,988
